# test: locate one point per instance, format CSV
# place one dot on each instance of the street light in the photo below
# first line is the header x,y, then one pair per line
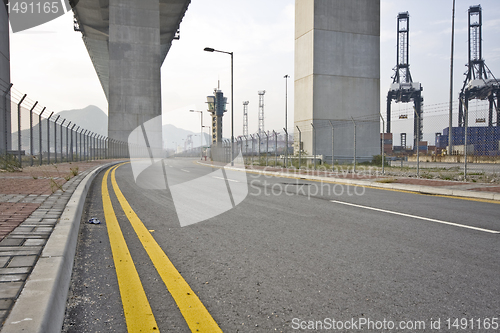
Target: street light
x,y
201,133
209,49
286,119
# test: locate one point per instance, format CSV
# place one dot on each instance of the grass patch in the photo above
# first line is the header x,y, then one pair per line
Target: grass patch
x,y
387,181
10,163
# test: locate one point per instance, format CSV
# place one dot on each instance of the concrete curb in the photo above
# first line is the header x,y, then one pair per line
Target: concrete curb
x,y
42,302
435,190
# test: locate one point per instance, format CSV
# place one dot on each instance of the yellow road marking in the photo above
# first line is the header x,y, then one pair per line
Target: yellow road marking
x,y
196,315
257,172
138,314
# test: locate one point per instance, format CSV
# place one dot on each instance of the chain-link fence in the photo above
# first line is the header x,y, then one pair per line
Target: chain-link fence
x,y
33,135
474,153
470,150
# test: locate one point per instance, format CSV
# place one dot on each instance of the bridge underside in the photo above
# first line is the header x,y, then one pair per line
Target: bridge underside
x,y
128,41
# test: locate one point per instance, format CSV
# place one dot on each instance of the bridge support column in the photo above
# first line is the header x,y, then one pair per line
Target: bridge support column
x,y
134,65
5,126
337,74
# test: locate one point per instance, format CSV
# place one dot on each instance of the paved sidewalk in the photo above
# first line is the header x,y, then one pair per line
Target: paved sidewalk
x,y
31,202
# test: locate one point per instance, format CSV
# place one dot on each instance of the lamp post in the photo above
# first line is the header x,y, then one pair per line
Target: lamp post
x,y
201,133
209,49
286,119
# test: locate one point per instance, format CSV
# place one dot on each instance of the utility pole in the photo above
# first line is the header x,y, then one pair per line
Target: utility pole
x,y
450,120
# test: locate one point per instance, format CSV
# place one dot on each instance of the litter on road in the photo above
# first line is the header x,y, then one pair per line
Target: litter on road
x,y
94,221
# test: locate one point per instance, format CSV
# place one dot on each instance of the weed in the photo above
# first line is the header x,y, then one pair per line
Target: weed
x,y
10,163
74,171
54,186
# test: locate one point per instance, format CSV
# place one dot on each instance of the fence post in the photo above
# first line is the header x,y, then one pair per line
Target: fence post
x,y
89,146
246,148
98,146
333,146
31,133
61,132
55,138
83,148
67,142
251,158
267,147
72,146
19,130
77,142
92,146
354,169
417,140
383,144
40,147
80,156
6,135
300,141
286,149
275,148
314,145
48,138
258,135
466,127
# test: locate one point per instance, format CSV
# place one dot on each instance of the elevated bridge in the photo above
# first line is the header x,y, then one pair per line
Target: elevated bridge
x,y
128,41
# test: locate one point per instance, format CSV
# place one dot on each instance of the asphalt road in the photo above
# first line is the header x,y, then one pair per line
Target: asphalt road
x,y
294,253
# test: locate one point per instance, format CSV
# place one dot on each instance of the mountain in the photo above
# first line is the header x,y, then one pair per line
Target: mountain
x,y
174,136
94,119
91,118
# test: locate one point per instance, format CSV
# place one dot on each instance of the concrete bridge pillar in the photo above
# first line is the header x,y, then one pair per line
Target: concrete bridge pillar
x,y
337,75
134,65
5,126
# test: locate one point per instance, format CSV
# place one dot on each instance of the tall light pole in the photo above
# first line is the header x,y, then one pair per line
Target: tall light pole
x,y
201,133
450,117
209,49
286,119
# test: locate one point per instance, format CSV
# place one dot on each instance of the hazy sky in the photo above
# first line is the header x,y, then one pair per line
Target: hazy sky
x,y
50,62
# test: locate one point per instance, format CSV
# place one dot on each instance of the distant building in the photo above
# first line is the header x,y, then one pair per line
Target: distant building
x,y
481,141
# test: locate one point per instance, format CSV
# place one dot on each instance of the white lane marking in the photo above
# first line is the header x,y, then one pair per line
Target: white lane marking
x,y
171,166
417,217
17,322
185,170
230,180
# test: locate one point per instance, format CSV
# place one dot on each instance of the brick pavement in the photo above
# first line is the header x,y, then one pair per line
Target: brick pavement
x,y
31,202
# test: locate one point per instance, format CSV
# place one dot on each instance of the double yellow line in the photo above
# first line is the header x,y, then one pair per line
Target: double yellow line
x,y
138,314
